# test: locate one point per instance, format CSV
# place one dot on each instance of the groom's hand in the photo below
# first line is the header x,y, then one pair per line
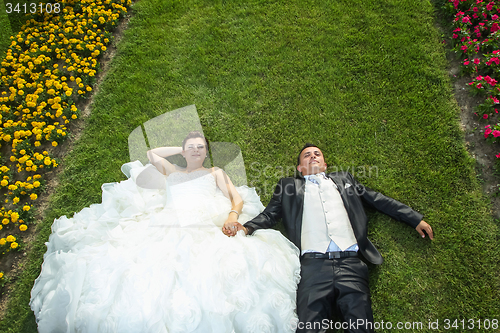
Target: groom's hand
x,y
231,228
424,226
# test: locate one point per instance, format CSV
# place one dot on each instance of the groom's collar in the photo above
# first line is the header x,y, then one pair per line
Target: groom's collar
x,y
300,176
320,174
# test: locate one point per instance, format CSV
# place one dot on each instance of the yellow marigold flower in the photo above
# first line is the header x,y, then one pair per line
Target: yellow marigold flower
x,y
72,117
23,227
5,221
33,196
29,163
11,239
37,143
14,245
54,143
15,200
26,208
4,182
1,275
14,217
7,138
36,183
2,241
89,88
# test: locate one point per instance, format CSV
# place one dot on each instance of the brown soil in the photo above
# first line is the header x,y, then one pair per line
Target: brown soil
x,y
473,127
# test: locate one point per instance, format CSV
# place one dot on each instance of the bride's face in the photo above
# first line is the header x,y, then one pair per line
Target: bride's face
x,y
195,151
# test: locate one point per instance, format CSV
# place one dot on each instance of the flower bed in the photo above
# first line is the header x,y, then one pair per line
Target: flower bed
x,y
476,40
50,66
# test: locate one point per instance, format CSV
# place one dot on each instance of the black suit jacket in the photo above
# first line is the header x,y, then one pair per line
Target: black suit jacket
x,y
288,201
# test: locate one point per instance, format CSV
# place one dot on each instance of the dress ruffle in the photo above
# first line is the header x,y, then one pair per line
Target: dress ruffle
x,y
156,260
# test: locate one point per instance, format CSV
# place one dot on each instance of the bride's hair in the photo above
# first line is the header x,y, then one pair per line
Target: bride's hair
x,y
192,135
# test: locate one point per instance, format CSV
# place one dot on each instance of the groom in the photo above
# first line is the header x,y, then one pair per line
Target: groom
x,y
324,217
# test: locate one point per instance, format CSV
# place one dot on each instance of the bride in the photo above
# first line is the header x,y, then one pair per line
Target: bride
x,y
155,258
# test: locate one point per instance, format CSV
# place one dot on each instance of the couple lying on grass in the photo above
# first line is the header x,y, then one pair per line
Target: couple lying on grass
x,y
190,252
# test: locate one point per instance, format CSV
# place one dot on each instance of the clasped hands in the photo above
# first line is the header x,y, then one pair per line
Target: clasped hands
x,y
231,228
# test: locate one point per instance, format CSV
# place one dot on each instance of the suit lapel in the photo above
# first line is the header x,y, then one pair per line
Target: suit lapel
x,y
299,203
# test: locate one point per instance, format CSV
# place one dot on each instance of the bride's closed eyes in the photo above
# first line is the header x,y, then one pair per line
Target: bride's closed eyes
x,y
199,147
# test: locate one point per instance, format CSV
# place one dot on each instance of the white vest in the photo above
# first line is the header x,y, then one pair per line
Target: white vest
x,y
324,218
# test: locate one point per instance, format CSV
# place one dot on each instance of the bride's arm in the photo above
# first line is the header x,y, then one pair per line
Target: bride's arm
x,y
157,158
227,187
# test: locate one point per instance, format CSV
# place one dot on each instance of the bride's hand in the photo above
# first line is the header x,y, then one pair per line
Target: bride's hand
x,y
231,228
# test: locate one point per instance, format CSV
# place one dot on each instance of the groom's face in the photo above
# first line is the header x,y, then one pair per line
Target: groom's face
x,y
311,161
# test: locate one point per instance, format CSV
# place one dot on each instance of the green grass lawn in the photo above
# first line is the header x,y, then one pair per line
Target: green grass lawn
x,y
5,29
365,80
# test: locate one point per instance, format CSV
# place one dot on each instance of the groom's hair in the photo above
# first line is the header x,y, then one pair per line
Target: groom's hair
x,y
192,135
307,145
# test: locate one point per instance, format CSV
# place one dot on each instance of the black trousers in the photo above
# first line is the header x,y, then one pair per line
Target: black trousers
x,y
339,283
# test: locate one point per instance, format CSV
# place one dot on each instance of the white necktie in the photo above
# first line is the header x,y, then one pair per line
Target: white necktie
x,y
316,179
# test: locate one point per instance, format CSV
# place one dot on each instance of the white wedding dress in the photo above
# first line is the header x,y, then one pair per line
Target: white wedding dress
x,y
157,261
